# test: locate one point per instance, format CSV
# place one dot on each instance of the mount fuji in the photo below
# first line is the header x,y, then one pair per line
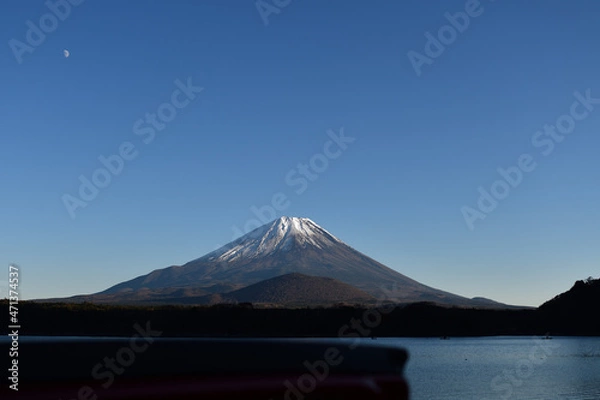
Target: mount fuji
x,y
288,245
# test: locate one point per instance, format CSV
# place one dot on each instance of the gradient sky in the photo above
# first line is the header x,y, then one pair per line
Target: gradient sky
x,y
423,144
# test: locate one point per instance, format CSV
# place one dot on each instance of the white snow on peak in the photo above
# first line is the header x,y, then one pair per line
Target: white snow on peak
x,y
279,235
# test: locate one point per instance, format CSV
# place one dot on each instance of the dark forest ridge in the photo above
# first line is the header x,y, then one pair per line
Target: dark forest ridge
x,y
571,313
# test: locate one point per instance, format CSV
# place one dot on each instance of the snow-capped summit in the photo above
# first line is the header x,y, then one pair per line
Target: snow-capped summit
x,y
279,235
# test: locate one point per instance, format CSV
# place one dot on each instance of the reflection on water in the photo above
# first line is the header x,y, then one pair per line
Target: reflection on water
x,y
523,368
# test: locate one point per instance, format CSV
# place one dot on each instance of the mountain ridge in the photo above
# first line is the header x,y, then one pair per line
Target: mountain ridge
x,y
290,245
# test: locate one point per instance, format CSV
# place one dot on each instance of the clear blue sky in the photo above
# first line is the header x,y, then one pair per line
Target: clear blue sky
x,y
424,144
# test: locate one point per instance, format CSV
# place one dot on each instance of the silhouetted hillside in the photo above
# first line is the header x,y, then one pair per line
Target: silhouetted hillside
x,y
582,294
575,311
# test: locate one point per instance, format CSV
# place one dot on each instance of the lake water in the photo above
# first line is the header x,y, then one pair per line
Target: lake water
x,y
524,368
503,368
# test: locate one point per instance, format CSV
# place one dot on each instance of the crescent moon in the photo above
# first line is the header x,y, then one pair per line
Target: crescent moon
x,y
66,53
